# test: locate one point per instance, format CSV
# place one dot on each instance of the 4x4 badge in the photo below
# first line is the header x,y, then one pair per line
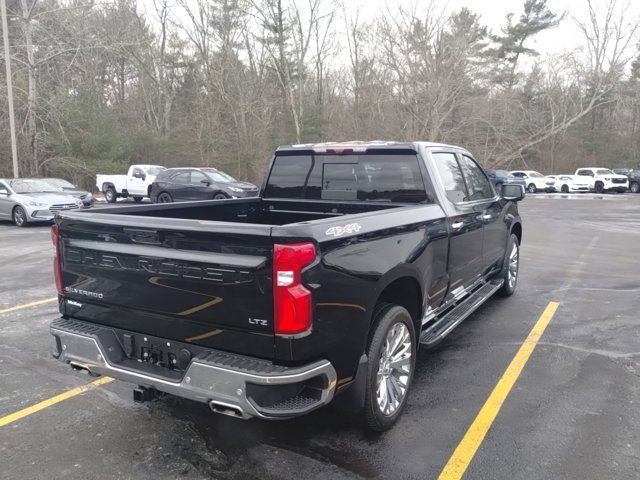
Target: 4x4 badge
x,y
338,231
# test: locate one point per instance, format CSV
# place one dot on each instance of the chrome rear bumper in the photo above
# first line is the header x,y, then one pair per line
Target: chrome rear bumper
x,y
231,384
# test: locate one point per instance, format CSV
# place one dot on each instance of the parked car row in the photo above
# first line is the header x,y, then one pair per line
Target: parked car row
x,y
28,200
164,185
592,179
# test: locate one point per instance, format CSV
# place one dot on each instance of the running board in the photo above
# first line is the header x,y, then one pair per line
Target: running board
x,y
443,326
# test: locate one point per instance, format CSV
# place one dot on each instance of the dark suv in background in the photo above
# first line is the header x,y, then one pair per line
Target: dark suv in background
x,y
184,184
633,176
503,177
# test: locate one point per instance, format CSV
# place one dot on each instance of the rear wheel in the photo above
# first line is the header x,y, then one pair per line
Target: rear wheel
x,y
137,199
220,196
532,188
19,217
110,195
392,356
165,197
634,187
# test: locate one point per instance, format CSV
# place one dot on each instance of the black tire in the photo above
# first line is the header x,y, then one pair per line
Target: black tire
x,y
165,197
220,196
110,195
599,187
634,187
564,189
532,188
509,287
19,217
137,199
387,318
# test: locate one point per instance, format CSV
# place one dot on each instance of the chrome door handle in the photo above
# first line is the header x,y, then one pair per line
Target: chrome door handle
x,y
486,216
457,225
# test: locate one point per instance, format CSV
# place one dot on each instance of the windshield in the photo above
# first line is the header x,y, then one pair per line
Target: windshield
x,y
218,176
604,171
30,186
155,170
58,183
536,175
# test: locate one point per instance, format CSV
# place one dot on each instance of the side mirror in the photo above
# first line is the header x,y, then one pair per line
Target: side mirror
x,y
206,182
512,192
4,192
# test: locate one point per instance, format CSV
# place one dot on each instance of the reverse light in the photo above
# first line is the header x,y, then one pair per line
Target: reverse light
x,y
292,305
57,260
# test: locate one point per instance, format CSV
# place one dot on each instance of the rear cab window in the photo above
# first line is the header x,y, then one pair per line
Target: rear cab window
x,y
382,177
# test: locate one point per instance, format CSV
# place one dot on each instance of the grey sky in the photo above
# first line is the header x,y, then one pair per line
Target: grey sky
x,y
565,37
493,12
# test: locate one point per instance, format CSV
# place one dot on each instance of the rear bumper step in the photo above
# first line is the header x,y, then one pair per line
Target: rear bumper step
x,y
230,384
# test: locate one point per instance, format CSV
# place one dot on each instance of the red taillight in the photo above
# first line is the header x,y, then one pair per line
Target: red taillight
x,y
57,264
291,300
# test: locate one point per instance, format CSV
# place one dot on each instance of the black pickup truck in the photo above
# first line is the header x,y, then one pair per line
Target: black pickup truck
x,y
319,290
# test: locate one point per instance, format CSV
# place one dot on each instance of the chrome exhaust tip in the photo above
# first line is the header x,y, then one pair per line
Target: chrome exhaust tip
x,y
226,409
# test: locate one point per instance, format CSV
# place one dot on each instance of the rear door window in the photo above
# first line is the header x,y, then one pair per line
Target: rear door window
x,y
181,177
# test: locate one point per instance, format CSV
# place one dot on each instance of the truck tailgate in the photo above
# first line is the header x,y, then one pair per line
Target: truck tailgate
x,y
198,282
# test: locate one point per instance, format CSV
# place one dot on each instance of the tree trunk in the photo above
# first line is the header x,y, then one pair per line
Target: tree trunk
x,y
32,134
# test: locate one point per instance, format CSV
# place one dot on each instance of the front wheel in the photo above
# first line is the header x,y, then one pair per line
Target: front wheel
x,y
532,188
220,196
564,189
392,357
634,187
599,187
511,268
19,217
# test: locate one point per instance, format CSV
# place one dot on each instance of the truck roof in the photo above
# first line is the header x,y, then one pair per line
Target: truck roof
x,y
359,145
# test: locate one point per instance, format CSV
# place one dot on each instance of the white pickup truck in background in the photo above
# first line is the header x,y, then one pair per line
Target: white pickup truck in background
x,y
136,183
604,180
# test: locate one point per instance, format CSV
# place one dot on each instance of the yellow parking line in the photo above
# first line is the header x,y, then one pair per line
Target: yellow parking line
x,y
52,401
468,446
27,305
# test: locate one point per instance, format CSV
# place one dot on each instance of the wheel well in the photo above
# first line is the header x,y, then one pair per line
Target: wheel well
x,y
107,185
517,231
405,292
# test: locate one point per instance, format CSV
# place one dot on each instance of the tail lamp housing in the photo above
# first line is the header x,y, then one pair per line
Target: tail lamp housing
x,y
292,302
57,260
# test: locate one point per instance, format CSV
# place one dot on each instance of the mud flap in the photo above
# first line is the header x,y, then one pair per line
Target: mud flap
x,y
352,399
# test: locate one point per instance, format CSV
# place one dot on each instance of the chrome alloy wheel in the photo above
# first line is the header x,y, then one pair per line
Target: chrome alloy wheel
x,y
394,369
514,258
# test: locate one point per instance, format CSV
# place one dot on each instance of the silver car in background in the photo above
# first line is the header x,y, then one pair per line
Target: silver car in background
x,y
25,200
61,185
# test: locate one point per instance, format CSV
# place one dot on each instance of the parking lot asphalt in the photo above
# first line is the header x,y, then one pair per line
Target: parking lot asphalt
x,y
572,414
